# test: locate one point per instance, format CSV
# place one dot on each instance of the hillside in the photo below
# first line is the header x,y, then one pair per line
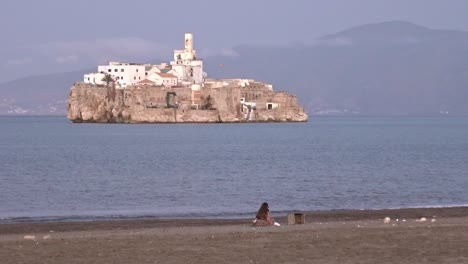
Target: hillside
x,y
38,95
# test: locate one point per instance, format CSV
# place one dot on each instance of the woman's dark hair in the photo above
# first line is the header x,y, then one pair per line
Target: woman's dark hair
x,y
263,211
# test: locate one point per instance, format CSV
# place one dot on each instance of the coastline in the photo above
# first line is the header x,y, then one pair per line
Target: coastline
x,y
342,236
111,223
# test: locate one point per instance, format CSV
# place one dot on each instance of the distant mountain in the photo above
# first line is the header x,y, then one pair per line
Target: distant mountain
x,y
386,68
385,33
395,32
38,95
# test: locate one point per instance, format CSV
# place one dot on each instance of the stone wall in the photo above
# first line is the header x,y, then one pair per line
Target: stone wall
x,y
147,104
155,96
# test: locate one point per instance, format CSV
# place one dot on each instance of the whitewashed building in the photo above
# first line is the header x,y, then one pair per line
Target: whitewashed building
x,y
146,82
124,73
185,69
94,78
150,69
186,66
165,79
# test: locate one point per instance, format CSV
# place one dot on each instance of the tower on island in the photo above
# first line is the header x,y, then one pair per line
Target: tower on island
x,y
186,66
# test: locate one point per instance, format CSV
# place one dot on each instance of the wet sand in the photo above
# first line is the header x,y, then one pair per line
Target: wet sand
x,y
327,237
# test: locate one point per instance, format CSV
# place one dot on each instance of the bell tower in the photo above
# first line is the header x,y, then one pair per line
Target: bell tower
x,y
186,66
189,42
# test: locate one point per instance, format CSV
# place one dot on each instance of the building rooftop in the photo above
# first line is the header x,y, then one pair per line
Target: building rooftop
x,y
146,81
165,70
166,75
119,63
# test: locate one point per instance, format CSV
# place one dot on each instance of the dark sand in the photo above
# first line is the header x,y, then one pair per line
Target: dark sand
x,y
327,237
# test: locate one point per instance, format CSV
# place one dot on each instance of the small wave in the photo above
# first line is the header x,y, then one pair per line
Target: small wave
x,y
406,207
439,206
93,218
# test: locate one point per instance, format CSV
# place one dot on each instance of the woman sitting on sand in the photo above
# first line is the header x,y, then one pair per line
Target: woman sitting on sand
x,y
263,217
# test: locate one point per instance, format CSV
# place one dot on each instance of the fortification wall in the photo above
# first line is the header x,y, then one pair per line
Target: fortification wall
x,y
147,104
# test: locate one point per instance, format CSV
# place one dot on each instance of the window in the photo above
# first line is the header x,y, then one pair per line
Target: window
x,y
134,78
146,73
136,70
109,70
139,78
121,70
116,70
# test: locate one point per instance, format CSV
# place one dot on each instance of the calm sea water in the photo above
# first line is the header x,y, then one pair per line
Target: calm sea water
x,y
53,169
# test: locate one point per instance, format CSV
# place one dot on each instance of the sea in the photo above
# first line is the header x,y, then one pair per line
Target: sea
x,y
54,170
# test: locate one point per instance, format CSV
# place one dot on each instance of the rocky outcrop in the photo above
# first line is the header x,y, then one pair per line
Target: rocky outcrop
x,y
97,104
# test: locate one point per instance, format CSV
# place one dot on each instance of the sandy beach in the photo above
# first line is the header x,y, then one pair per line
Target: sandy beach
x,y
327,237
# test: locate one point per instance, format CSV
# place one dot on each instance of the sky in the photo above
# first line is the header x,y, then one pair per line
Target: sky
x,y
48,36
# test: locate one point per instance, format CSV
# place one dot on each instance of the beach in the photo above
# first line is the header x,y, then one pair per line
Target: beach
x,y
431,235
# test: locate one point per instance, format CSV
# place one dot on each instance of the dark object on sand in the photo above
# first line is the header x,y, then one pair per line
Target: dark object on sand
x,y
296,218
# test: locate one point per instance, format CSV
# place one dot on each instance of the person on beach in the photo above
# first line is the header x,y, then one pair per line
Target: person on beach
x,y
263,217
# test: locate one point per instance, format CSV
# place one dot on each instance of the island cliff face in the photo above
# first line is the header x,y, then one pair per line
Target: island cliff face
x,y
155,104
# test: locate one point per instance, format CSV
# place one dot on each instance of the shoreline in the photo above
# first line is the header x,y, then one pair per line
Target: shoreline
x,y
344,236
12,227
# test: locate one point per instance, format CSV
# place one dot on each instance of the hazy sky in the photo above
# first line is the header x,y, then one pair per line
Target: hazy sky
x,y
61,35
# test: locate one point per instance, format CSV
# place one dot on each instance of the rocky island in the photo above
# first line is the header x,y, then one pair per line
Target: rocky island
x,y
179,92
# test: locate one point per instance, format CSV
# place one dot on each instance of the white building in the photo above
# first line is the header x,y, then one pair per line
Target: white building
x,y
185,65
122,73
150,69
94,78
165,79
185,69
146,82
